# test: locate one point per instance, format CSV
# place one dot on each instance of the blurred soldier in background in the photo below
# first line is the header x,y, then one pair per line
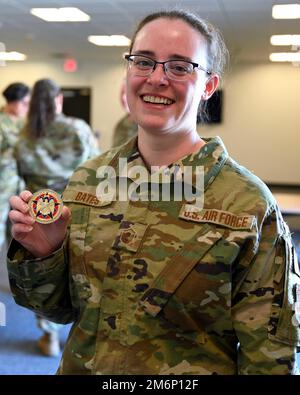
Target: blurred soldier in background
x,y
126,127
51,146
11,121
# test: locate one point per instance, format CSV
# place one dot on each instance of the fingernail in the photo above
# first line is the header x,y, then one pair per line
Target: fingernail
x,y
29,228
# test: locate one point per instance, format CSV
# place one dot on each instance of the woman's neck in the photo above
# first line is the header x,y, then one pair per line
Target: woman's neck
x,y
164,150
8,110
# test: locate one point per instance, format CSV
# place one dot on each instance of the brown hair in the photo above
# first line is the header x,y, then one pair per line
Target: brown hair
x,y
42,108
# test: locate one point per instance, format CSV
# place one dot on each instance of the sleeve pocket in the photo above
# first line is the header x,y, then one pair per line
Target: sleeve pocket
x,y
284,323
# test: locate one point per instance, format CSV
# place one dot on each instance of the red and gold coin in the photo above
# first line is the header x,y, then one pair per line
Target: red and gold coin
x,y
45,206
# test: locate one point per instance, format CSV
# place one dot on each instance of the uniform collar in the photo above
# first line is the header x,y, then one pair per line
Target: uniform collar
x,y
59,117
211,156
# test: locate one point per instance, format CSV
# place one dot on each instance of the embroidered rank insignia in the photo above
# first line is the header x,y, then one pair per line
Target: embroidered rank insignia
x,y
45,206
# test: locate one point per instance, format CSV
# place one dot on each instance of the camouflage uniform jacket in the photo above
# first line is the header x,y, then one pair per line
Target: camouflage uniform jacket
x,y
124,131
9,180
49,162
157,288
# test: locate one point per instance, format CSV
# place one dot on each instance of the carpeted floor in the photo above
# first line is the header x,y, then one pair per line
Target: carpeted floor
x,y
18,351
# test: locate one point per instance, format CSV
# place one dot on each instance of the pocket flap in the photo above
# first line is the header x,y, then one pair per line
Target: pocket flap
x,y
169,279
284,323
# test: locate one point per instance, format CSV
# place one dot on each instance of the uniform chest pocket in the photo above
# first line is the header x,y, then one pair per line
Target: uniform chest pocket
x,y
92,233
80,285
194,287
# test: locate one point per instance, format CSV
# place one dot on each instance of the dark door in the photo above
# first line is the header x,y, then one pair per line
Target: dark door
x,y
77,103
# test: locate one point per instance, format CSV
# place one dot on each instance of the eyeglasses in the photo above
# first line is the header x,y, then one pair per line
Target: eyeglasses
x,y
177,70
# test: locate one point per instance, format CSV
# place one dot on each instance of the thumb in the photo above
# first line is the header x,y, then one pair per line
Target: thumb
x,y
64,218
62,223
66,214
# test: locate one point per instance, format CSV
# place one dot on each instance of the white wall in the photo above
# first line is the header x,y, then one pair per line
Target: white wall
x,y
261,110
261,126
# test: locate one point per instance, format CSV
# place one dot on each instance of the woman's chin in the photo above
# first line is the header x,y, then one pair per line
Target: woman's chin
x,y
155,127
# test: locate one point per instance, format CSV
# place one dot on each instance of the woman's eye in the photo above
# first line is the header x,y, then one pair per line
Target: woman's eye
x,y
143,63
179,68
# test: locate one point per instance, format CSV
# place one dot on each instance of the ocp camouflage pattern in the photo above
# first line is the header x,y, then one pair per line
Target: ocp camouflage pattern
x,y
49,162
153,291
124,131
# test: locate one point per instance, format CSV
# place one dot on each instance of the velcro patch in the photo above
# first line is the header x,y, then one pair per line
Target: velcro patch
x,y
129,236
190,212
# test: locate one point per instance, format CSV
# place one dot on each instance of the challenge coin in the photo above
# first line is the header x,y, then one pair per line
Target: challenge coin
x,y
45,206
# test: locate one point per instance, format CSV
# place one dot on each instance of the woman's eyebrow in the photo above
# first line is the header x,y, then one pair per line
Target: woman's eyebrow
x,y
144,52
181,57
152,54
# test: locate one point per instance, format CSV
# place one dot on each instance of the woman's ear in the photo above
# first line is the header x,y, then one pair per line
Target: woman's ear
x,y
210,86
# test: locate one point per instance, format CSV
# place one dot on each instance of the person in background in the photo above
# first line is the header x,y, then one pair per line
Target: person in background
x,y
51,144
126,128
50,147
202,285
12,117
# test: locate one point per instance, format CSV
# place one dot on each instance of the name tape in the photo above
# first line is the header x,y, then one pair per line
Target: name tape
x,y
218,217
84,198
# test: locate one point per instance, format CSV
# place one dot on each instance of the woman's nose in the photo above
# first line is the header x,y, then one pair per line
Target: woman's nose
x,y
158,75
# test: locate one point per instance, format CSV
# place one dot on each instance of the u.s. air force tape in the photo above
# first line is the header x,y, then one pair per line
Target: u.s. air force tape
x,y
45,206
190,212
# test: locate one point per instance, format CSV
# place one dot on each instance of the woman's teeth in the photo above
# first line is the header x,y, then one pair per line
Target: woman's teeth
x,y
156,100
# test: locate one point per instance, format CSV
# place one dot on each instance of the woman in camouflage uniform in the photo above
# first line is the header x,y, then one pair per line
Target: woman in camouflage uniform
x,y
50,147
165,286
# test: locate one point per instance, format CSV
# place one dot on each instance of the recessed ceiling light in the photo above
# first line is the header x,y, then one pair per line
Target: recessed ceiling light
x,y
110,41
64,14
285,57
286,11
285,39
13,55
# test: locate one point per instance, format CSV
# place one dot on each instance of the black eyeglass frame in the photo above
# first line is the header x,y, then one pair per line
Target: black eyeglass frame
x,y
195,65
